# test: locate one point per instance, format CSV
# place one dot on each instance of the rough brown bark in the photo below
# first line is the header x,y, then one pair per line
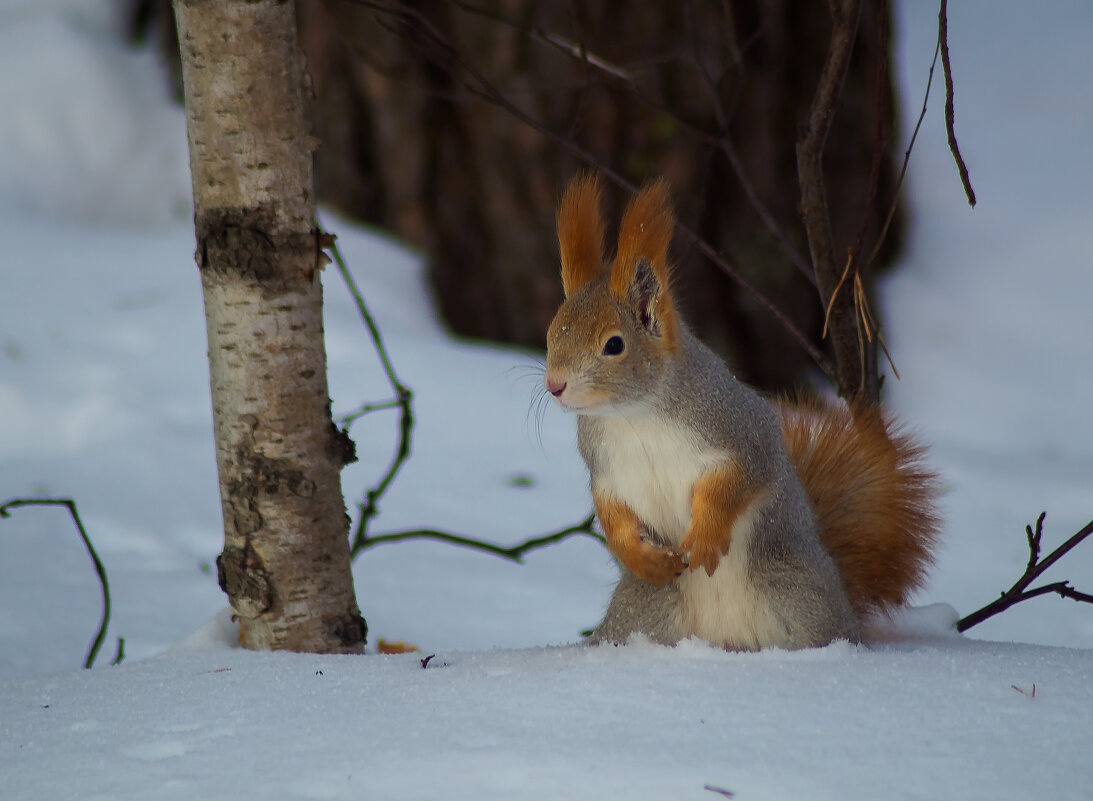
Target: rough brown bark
x,y
285,564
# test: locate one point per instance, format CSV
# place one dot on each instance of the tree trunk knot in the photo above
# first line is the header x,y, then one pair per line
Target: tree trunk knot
x,y
242,574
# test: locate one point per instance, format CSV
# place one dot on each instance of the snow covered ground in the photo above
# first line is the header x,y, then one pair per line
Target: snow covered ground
x,y
104,398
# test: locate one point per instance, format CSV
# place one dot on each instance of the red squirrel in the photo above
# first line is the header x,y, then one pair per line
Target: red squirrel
x,y
742,521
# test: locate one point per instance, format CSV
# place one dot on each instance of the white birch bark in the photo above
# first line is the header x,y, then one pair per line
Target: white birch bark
x,y
285,565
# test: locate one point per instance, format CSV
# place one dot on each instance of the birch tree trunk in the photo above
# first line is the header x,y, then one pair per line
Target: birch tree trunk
x,y
285,564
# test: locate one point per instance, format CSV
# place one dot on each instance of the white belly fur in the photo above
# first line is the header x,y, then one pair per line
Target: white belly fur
x,y
725,608
652,467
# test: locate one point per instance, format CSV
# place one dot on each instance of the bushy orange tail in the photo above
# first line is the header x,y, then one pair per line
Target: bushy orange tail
x,y
873,496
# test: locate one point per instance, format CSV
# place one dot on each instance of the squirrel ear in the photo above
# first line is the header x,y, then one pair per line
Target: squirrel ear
x,y
580,232
644,297
641,273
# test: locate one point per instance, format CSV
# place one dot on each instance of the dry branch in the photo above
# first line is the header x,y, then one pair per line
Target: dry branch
x,y
721,140
906,161
514,553
725,143
1019,591
369,507
943,43
879,138
815,215
403,401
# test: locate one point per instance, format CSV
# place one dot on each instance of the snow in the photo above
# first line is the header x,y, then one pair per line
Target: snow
x,y
988,315
104,398
938,717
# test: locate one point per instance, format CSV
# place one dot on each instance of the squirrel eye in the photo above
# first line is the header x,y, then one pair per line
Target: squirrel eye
x,y
614,346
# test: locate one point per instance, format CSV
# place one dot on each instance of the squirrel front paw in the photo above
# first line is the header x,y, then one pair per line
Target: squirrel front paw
x,y
701,553
654,563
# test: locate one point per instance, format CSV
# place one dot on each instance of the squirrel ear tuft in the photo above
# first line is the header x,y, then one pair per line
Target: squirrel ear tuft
x,y
641,273
580,232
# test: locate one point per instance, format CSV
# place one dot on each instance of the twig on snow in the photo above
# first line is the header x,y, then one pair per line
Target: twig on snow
x,y
719,790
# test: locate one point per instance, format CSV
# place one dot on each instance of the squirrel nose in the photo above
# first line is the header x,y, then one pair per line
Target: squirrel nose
x,y
555,387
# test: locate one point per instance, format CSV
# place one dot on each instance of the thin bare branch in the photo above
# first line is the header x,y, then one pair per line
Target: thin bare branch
x,y
724,142
403,401
815,215
880,138
100,571
1019,591
576,49
906,161
436,47
515,553
579,52
943,43
369,507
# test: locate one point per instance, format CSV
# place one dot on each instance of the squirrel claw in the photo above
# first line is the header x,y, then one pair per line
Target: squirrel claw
x,y
704,557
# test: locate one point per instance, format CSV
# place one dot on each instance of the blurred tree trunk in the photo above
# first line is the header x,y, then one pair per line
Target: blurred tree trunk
x,y
285,565
408,147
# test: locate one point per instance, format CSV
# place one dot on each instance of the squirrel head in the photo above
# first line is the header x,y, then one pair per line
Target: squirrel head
x,y
617,331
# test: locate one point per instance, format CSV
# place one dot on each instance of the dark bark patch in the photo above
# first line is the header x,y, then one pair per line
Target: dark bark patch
x,y
241,574
342,447
349,629
260,475
246,244
245,517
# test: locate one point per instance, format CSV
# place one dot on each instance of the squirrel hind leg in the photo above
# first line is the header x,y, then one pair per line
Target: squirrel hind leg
x,y
638,607
805,605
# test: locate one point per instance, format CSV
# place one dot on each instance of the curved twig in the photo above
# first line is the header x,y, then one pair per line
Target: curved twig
x,y
514,553
943,43
403,401
906,160
369,508
70,504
